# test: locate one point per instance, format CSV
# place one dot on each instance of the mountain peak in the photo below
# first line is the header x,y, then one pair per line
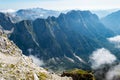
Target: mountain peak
x,y
76,14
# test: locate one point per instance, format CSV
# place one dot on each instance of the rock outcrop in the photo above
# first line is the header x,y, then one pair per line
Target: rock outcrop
x,y
16,66
78,74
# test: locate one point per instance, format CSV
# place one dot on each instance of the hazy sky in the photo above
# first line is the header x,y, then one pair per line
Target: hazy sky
x,y
60,4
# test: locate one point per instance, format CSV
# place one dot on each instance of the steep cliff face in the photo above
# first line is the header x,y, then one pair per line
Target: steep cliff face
x,y
67,39
61,42
16,66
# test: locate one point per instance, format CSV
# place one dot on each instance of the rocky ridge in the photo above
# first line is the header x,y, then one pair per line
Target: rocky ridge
x,y
16,66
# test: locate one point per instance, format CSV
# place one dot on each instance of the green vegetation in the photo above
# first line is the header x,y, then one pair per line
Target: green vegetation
x,y
12,65
0,65
78,74
78,71
42,76
29,77
0,72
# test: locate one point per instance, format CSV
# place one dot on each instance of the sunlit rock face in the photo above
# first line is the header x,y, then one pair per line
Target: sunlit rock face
x,y
14,65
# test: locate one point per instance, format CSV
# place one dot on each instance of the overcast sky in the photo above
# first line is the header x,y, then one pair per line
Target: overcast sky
x,y
60,4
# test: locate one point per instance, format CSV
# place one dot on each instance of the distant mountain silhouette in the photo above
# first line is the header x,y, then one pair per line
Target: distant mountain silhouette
x,y
111,21
32,14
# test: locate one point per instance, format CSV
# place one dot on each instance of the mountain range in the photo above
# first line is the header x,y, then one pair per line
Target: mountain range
x,y
62,42
103,13
30,14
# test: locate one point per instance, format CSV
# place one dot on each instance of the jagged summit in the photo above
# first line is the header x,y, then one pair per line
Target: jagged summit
x,y
58,40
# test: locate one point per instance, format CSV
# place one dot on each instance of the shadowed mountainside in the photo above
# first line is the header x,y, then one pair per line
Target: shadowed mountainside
x,y
67,39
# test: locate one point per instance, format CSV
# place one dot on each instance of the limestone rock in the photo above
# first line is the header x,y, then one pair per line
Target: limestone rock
x,y
16,66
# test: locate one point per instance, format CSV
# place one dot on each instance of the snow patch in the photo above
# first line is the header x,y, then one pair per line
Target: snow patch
x,y
100,57
80,59
70,59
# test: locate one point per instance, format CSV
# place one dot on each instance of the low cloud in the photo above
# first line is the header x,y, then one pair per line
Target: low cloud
x,y
115,40
100,57
36,60
8,10
113,73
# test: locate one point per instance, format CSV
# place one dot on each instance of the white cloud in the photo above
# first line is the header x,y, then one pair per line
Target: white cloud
x,y
30,50
100,57
113,73
36,60
115,40
8,10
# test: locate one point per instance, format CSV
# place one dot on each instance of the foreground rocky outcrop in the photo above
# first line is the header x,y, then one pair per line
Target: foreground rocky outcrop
x,y
78,74
16,66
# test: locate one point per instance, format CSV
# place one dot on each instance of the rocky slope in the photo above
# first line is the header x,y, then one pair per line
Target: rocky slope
x,y
16,66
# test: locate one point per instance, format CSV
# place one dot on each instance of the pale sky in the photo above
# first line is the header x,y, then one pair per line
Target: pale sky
x,y
60,4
